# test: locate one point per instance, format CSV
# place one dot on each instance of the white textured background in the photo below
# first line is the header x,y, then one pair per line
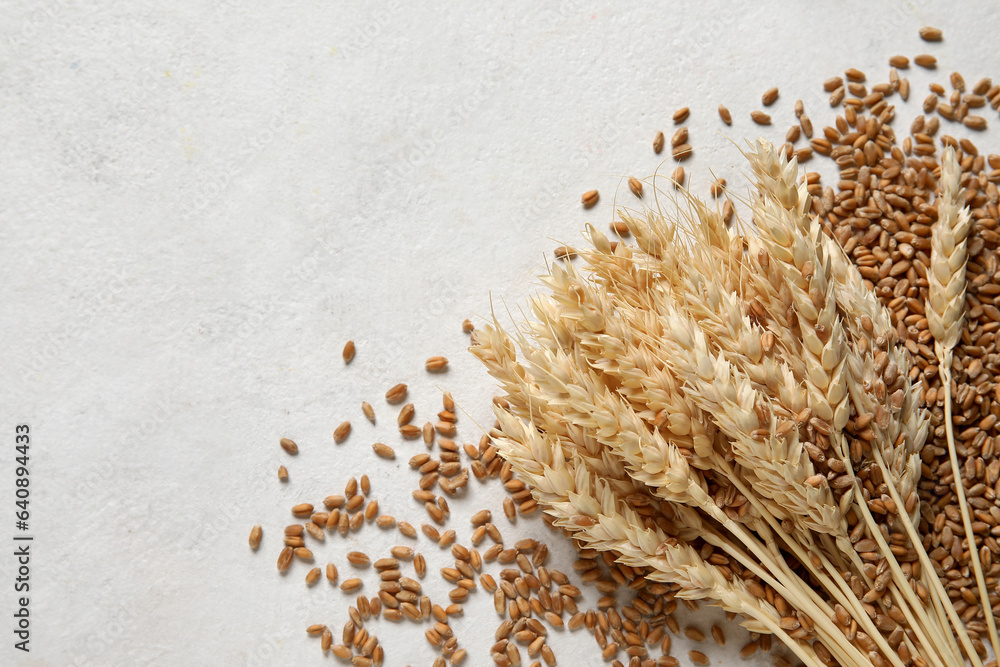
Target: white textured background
x,y
200,202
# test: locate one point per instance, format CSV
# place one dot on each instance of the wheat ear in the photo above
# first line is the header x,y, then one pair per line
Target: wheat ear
x,y
945,318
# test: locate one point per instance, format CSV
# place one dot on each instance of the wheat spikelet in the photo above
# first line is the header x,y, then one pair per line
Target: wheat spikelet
x,y
946,278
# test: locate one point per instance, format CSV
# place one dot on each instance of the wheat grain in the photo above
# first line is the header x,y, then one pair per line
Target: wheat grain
x,y
658,142
436,364
930,34
342,431
635,185
383,450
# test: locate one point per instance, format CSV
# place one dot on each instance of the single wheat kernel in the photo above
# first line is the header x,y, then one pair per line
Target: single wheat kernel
x,y
420,565
925,60
358,558
348,352
974,122
681,115
899,62
589,198
402,551
724,114
436,364
302,509
368,410
929,34
635,185
285,558
564,252
806,124
435,513
680,137
406,529
396,393
694,634
282,473
699,658
677,177
371,510
509,510
682,152
316,629
255,534
289,446
405,415
410,431
854,75
313,576
383,450
467,326
315,531
342,431
769,97
760,118
718,187
351,584
658,142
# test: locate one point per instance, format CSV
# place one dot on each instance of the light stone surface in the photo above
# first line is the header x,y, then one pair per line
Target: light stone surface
x,y
201,202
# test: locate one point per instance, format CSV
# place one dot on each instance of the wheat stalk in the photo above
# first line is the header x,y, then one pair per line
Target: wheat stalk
x,y
777,182
709,377
945,319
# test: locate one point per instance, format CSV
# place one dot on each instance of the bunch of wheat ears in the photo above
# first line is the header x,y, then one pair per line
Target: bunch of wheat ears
x,y
730,411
